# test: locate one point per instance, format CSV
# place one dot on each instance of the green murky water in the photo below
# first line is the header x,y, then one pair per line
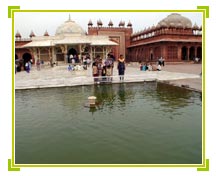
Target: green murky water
x,y
131,124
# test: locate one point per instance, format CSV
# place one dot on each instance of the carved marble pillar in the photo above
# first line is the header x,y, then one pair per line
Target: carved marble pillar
x,y
81,50
64,51
53,55
35,54
90,53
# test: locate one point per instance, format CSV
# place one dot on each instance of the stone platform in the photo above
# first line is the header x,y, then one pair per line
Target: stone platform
x,y
187,75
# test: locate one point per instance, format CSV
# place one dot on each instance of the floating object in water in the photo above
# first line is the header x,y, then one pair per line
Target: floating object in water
x,y
92,101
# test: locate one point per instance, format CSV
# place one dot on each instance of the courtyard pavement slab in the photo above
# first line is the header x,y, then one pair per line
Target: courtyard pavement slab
x,y
187,75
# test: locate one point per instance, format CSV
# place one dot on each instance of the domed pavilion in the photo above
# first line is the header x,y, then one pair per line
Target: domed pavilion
x,y
69,39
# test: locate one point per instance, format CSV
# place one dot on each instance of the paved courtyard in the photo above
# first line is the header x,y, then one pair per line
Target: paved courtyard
x,y
187,75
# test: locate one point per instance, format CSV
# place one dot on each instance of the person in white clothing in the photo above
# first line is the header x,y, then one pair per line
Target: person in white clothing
x,y
158,67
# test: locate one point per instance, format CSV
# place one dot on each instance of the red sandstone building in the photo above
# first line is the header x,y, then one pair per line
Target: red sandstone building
x,y
173,38
121,35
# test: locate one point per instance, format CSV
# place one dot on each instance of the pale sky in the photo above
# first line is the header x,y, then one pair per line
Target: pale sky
x,y
40,22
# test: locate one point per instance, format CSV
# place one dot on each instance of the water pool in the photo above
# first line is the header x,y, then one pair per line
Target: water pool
x,y
132,123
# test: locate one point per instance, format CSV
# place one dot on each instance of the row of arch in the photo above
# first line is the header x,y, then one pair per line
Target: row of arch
x,y
190,53
169,52
172,53
45,54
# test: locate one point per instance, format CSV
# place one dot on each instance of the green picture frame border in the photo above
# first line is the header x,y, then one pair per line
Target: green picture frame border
x,y
200,167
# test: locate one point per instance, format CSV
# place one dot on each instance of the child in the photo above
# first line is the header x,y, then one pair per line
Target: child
x,y
104,73
109,73
95,71
69,68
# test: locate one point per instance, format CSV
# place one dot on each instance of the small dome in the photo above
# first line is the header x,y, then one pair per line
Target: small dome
x,y
69,27
99,22
90,23
158,26
110,23
195,27
163,24
145,30
175,20
18,35
32,34
153,27
179,26
172,25
121,23
46,33
148,29
129,24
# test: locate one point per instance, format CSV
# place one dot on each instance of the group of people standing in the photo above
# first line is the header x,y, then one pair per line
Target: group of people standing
x,y
103,72
28,66
73,59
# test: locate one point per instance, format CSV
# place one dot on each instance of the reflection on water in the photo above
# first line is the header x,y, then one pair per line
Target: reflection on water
x,y
131,124
173,97
149,85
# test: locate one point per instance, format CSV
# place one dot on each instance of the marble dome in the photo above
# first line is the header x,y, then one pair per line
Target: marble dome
x,y
175,20
69,27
